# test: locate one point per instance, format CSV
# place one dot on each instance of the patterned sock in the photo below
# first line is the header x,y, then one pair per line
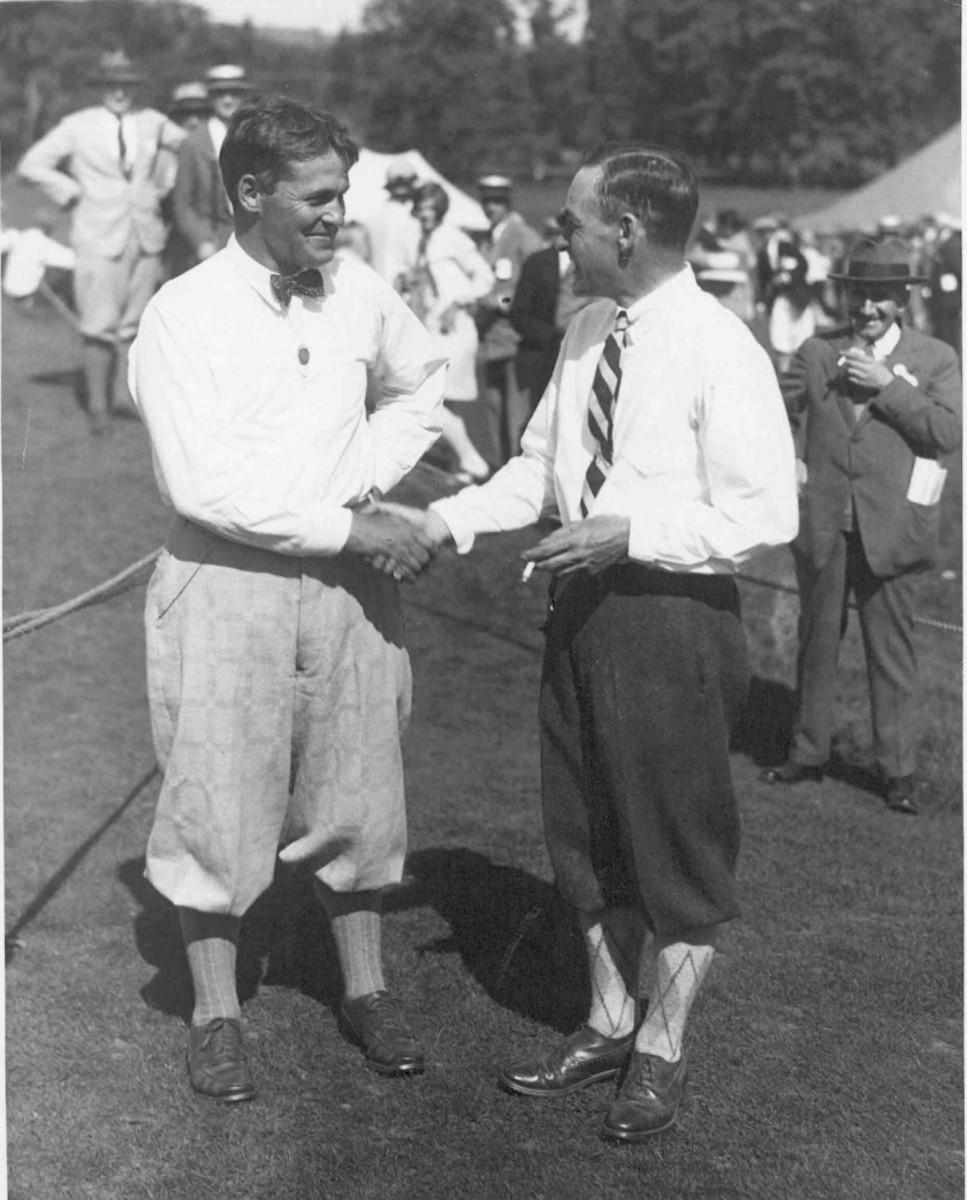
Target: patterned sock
x,y
647,969
357,929
680,971
612,940
211,944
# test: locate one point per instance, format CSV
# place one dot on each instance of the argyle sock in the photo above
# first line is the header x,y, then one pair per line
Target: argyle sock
x,y
647,969
211,944
680,970
357,929
612,940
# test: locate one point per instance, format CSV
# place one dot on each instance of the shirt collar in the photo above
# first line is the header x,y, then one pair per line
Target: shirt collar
x,y
257,276
884,346
670,292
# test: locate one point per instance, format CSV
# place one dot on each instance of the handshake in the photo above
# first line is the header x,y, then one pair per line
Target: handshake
x,y
396,539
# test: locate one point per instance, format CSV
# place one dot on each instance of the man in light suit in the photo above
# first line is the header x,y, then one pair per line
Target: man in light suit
x,y
872,406
503,409
111,181
201,211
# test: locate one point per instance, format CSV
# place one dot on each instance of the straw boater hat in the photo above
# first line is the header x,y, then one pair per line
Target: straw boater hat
x,y
878,260
189,98
400,170
114,67
495,187
228,78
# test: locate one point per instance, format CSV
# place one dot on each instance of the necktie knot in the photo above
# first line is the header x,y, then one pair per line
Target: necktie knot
x,y
621,324
307,282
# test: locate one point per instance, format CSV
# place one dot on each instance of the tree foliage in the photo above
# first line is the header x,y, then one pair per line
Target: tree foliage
x,y
758,90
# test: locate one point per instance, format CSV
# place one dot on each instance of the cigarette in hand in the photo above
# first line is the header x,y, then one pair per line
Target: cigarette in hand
x,y
527,572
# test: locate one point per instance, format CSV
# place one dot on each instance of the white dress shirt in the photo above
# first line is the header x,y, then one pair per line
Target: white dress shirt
x,y
703,457
257,446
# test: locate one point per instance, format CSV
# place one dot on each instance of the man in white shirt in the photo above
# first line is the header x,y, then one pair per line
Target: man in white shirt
x,y
278,678
101,163
662,445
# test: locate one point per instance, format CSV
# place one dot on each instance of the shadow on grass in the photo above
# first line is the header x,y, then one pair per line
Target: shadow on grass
x,y
510,929
513,933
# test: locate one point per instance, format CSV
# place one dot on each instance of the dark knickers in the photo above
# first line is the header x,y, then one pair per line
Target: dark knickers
x,y
645,673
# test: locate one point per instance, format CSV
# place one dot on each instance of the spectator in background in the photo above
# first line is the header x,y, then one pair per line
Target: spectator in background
x,y
189,107
543,305
393,229
946,287
202,214
872,408
102,164
792,318
504,407
724,263
442,284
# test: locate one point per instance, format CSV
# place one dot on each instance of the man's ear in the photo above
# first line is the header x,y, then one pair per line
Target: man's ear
x,y
249,195
630,230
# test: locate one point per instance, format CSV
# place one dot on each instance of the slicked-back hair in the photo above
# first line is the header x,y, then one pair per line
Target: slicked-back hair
x,y
659,186
267,135
433,193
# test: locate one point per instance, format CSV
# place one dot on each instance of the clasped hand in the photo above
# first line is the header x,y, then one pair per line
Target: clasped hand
x,y
863,371
396,539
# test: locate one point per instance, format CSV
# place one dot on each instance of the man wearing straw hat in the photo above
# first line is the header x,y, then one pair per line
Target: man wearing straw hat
x,y
111,184
873,407
202,214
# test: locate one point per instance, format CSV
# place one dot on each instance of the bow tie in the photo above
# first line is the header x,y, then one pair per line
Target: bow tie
x,y
307,283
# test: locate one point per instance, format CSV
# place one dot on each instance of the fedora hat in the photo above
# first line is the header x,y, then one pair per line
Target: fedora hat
x,y
229,77
878,260
115,67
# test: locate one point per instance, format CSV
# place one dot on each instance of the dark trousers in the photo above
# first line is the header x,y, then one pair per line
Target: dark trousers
x,y
885,609
645,673
503,411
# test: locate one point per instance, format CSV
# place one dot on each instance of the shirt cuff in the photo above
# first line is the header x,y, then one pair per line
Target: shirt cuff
x,y
461,529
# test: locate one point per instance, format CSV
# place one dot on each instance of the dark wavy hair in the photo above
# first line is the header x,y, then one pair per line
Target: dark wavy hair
x,y
659,186
435,194
266,135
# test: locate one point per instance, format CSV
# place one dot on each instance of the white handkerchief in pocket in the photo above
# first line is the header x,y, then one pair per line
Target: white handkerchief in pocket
x,y
926,481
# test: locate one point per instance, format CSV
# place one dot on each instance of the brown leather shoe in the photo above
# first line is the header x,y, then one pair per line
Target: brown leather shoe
x,y
582,1058
648,1099
792,772
216,1060
376,1023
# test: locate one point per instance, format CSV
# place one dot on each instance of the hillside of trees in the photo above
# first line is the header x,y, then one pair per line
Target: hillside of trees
x,y
767,91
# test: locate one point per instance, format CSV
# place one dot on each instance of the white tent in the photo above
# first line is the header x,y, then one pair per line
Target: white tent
x,y
926,182
367,190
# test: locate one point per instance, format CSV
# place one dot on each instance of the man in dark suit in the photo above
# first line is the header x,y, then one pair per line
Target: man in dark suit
x,y
543,304
502,411
201,211
872,406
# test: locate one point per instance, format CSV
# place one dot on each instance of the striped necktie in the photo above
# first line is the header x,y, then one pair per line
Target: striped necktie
x,y
604,394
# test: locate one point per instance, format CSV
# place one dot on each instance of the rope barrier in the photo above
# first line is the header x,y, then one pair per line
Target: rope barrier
x,y
27,622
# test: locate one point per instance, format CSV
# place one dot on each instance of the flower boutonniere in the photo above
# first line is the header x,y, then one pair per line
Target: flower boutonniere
x,y
901,371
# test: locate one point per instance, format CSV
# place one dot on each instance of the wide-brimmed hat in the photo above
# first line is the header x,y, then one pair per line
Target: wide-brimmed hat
x,y
189,98
229,77
114,67
878,260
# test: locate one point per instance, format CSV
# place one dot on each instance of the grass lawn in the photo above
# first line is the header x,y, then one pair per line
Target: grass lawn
x,y
826,1048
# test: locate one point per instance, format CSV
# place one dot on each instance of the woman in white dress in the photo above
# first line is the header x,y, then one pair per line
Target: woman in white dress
x,y
442,284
